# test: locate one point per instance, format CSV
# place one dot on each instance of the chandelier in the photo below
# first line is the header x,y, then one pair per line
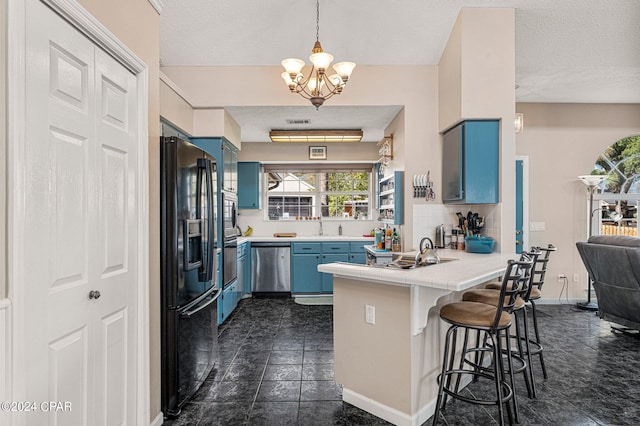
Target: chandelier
x,y
317,86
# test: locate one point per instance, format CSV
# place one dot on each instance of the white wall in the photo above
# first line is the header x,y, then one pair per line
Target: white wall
x,y
562,142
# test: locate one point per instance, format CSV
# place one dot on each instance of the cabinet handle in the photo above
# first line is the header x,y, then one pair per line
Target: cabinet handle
x,y
94,294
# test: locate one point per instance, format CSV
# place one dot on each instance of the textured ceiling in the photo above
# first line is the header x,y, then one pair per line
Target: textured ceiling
x,y
566,50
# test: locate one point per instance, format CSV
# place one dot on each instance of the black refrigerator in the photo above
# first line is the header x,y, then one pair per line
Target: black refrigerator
x,y
189,288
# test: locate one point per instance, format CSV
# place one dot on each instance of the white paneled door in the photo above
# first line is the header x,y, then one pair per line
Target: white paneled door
x,y
81,227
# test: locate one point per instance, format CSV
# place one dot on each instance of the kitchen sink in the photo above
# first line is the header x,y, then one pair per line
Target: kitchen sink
x,y
408,261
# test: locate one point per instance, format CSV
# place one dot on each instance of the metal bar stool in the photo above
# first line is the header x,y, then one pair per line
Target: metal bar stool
x,y
490,296
537,281
494,322
535,293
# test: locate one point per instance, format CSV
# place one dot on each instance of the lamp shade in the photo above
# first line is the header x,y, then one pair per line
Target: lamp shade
x,y
287,79
592,180
344,69
321,60
292,65
313,84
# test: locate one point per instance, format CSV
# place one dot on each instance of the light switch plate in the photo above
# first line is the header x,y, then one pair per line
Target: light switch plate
x,y
537,226
369,314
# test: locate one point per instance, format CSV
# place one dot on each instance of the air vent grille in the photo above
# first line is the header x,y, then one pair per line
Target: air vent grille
x,y
298,121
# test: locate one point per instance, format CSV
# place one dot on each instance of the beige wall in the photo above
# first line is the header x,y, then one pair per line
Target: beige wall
x,y
216,122
136,24
383,347
477,80
562,142
450,79
175,109
3,149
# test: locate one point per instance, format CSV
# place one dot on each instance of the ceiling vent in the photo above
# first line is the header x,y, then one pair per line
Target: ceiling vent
x,y
298,121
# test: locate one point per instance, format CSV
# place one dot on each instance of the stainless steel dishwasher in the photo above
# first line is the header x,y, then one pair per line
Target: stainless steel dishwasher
x,y
271,269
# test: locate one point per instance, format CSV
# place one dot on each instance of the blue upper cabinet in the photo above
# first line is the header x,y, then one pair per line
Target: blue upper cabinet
x,y
226,155
470,163
249,184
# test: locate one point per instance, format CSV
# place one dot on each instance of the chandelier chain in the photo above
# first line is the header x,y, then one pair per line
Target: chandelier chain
x,y
317,20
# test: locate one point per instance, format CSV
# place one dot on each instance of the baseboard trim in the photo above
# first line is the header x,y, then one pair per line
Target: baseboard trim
x,y
158,420
377,409
568,302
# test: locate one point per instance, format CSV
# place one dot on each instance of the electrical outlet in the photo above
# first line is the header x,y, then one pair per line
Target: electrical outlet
x,y
562,277
370,314
576,277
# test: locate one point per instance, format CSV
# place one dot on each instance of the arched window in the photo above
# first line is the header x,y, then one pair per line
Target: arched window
x,y
619,193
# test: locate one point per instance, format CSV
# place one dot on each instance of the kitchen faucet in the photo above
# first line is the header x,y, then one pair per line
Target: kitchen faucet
x,y
320,221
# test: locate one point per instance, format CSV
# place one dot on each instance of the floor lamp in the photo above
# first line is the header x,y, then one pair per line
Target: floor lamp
x,y
592,182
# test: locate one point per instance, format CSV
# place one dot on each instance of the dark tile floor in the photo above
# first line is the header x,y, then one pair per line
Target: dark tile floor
x,y
276,368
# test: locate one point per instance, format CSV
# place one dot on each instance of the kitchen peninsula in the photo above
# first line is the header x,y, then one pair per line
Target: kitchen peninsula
x,y
388,365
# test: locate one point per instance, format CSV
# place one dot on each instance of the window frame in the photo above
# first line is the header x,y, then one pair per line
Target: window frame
x,y
317,208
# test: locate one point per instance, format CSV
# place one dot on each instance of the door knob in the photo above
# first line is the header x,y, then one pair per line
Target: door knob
x,y
94,294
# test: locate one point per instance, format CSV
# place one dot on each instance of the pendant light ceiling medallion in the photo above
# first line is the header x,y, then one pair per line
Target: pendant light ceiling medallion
x,y
317,86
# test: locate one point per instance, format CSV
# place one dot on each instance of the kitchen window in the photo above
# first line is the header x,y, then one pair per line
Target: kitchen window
x,y
336,192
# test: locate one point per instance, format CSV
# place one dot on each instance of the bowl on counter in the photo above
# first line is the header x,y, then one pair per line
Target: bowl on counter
x,y
479,244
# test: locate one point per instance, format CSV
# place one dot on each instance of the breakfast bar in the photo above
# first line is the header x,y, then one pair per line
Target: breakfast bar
x,y
387,333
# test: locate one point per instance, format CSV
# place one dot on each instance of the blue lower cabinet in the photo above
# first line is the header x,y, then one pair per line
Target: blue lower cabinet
x,y
306,256
305,277
244,276
357,252
230,296
327,279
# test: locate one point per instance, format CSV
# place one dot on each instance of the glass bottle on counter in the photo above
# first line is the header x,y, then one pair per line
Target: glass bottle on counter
x,y
387,239
454,238
395,241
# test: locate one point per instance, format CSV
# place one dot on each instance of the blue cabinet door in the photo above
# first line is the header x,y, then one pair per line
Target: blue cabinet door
x,y
249,174
481,165
327,279
470,163
304,273
358,254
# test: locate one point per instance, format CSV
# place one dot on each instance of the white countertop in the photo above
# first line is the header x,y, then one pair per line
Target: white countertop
x,y
308,238
468,270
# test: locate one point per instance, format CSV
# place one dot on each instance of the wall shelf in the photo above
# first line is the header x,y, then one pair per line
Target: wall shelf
x,y
390,200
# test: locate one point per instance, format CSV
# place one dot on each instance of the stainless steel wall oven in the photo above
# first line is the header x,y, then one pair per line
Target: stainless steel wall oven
x,y
231,232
